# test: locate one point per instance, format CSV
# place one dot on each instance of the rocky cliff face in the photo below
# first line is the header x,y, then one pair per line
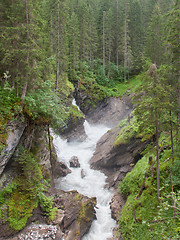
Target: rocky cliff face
x,y
115,162
15,130
74,213
111,112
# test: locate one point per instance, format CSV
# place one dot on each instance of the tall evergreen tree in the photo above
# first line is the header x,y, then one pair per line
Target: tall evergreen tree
x,y
154,42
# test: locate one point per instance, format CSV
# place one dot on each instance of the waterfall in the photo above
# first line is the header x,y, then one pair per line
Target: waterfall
x,y
93,184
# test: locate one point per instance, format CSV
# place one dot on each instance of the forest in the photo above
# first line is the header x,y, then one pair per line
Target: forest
x,y
52,50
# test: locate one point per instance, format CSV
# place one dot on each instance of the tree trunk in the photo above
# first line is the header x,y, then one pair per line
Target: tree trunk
x,y
27,48
157,155
125,42
58,50
104,61
172,144
90,44
173,201
117,37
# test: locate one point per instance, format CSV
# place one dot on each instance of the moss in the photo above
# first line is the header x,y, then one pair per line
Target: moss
x,y
20,208
16,206
93,93
129,129
75,114
25,192
145,217
86,211
10,107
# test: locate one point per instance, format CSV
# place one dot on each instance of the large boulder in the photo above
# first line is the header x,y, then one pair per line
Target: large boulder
x,y
74,162
115,162
78,215
74,128
61,170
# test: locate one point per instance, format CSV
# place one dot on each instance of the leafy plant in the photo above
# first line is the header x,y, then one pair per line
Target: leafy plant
x,y
44,105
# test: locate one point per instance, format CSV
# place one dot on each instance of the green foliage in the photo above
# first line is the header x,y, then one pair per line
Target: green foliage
x,y
46,204
30,171
20,207
43,105
74,113
143,216
5,192
10,107
8,102
18,200
135,178
129,129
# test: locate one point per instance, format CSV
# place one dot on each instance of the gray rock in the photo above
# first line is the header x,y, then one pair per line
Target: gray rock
x,y
111,113
15,130
83,174
74,222
116,205
74,162
61,170
116,162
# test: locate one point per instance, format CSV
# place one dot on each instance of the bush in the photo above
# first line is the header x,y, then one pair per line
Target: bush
x,y
44,105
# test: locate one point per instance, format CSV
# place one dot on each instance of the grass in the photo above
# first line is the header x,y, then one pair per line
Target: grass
x,y
144,217
118,89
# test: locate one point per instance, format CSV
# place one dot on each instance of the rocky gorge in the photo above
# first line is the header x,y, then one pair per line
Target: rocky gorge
x,y
74,212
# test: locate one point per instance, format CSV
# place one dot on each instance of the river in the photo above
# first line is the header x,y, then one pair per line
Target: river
x,y
93,184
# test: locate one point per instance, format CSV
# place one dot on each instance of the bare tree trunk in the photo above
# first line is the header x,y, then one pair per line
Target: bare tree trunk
x,y
141,189
58,50
172,144
157,155
117,25
104,61
174,203
90,44
125,42
27,56
109,57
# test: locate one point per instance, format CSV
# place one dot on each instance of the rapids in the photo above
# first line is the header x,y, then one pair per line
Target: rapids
x,y
93,184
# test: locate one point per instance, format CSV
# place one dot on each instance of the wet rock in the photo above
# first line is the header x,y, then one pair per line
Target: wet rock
x,y
116,162
15,130
75,133
61,170
74,162
83,174
89,96
78,214
116,205
74,130
111,112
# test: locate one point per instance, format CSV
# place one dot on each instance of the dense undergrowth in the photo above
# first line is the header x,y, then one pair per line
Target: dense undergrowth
x,y
144,216
28,189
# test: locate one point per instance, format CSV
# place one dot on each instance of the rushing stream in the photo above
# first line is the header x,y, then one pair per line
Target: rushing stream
x,y
92,185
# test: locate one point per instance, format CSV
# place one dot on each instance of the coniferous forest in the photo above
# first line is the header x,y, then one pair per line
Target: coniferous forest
x,y
54,50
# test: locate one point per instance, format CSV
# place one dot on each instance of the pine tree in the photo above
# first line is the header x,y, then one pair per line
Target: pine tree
x,y
154,42
152,109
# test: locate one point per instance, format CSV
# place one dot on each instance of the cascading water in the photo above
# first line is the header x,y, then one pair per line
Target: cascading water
x,y
92,185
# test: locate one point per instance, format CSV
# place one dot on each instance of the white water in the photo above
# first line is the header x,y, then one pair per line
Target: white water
x,y
92,185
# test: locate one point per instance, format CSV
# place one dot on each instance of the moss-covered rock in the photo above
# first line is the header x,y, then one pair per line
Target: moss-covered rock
x,y
89,94
78,216
74,129
143,214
